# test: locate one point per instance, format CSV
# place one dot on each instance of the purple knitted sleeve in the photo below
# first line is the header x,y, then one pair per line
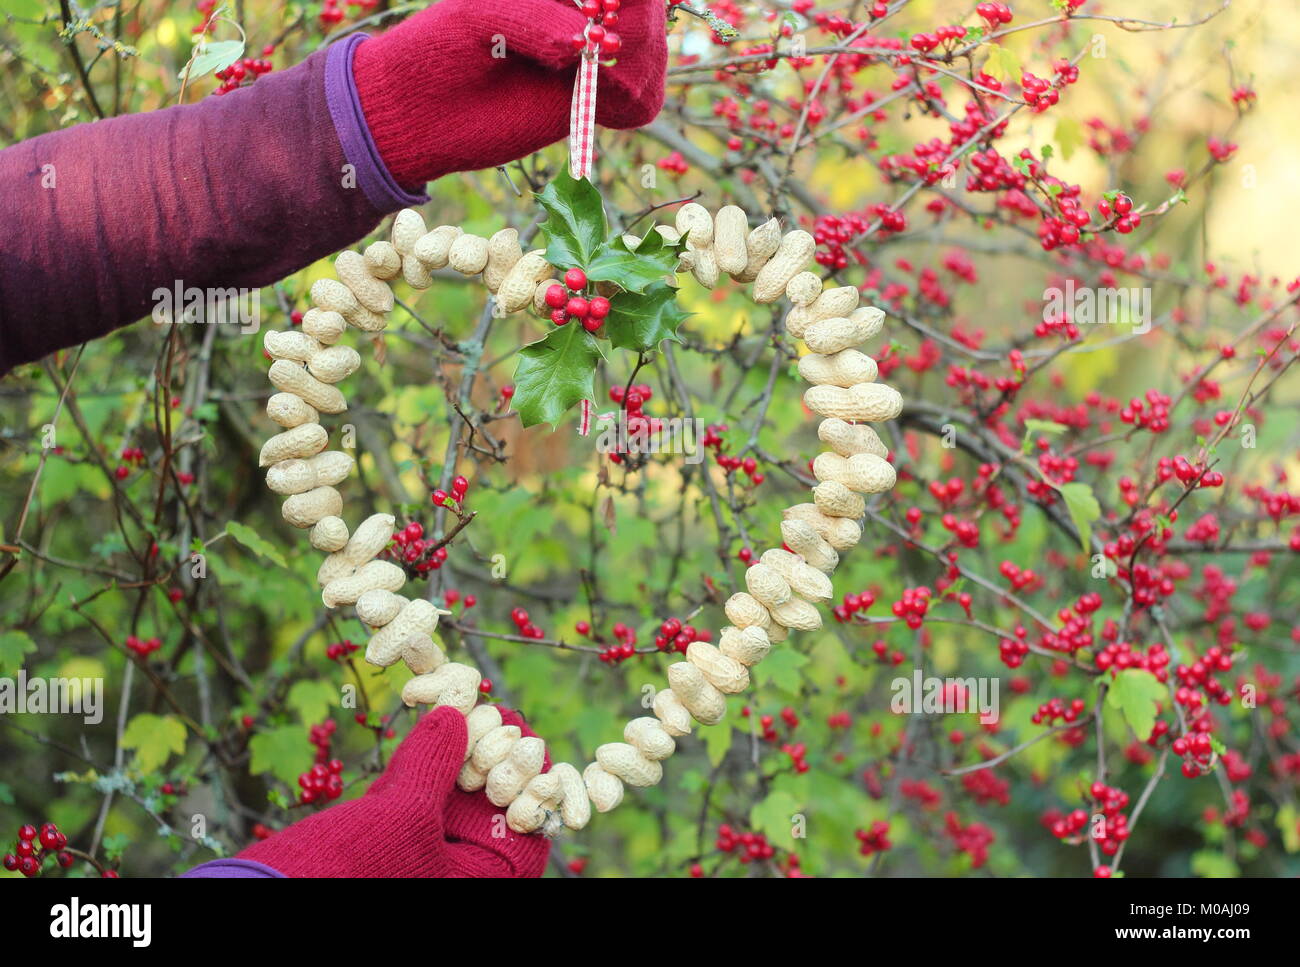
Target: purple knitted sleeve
x,y
232,869
232,191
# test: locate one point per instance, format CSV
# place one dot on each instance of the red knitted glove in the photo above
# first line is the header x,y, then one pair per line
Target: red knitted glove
x,y
413,821
436,100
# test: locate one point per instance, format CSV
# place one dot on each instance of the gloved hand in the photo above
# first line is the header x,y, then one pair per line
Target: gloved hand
x,y
470,84
413,821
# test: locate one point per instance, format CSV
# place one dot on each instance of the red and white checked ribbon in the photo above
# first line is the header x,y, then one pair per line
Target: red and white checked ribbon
x,y
582,116
582,146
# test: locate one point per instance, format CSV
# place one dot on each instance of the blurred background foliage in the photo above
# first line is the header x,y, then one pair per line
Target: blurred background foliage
x,y
580,539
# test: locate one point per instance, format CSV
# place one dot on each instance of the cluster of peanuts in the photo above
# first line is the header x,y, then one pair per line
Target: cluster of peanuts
x,y
784,587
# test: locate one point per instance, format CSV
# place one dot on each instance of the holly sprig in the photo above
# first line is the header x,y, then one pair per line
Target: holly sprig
x,y
558,371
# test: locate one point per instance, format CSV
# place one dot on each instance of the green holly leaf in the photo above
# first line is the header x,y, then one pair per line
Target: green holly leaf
x,y
1084,510
14,645
284,752
154,738
633,270
643,321
255,542
1136,693
575,224
554,373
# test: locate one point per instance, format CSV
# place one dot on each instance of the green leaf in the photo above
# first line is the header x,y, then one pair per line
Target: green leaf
x,y
1068,136
1212,864
554,373
1046,427
1084,510
312,700
154,738
215,55
575,224
614,262
1135,692
1002,63
284,752
13,646
643,321
774,817
782,669
717,743
1289,826
114,846
251,539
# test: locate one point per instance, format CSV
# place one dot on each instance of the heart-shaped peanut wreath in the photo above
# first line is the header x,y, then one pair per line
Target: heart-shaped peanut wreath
x,y
784,585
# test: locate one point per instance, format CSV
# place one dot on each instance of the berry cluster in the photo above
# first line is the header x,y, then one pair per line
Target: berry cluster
x,y
1197,753
598,36
33,848
912,606
1019,577
852,604
525,625
881,649
1068,826
973,840
1197,682
323,782
798,753
874,839
1187,472
1155,419
1117,209
673,163
451,597
747,847
624,646
675,636
339,650
321,736
144,647
768,724
569,301
748,465
632,400
833,232
1114,829
330,13
944,36
1115,657
410,549
1056,708
994,13
245,69
131,456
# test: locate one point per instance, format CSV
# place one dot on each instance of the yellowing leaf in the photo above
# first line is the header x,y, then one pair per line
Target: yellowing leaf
x,y
154,738
1068,137
1002,63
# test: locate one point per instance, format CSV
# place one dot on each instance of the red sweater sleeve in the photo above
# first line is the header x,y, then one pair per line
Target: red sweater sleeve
x,y
232,191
